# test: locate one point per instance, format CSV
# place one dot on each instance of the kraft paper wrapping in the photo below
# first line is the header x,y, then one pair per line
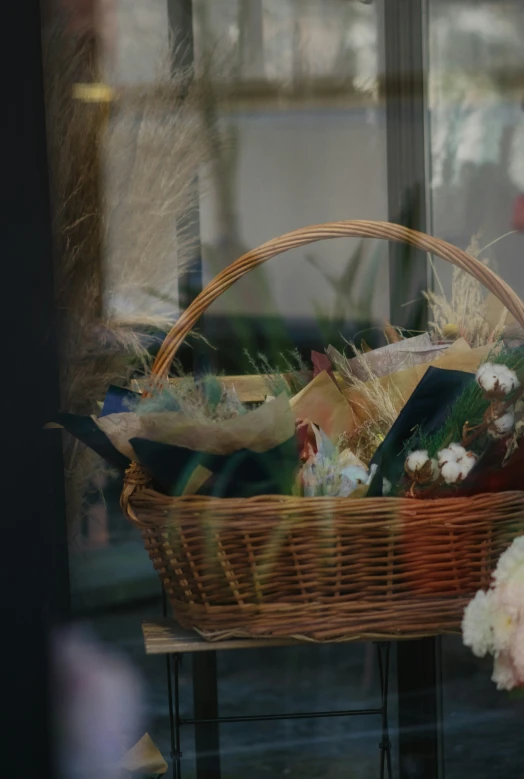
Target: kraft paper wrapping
x,y
494,313
260,430
323,403
397,356
120,429
144,759
400,385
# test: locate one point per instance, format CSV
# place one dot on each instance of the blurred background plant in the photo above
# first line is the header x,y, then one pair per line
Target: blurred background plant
x,y
114,234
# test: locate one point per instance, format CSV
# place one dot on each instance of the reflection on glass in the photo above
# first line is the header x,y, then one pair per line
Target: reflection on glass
x,y
303,142
476,60
476,143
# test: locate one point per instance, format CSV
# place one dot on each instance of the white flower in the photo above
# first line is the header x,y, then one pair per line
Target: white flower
x,y
511,562
476,624
456,469
496,380
494,621
417,460
421,467
504,674
325,476
503,425
453,453
504,624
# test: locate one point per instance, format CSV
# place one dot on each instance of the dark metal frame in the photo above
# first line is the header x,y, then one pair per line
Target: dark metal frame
x,y
405,33
34,546
206,726
405,37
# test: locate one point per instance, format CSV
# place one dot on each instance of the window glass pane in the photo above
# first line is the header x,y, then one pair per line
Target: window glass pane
x,y
477,128
303,140
476,144
281,127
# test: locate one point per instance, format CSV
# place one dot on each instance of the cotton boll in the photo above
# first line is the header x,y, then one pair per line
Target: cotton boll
x,y
386,486
453,453
417,460
467,463
476,624
496,381
451,472
502,425
420,467
457,449
455,470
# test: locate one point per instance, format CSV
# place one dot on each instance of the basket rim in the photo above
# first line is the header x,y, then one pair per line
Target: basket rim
x,y
195,500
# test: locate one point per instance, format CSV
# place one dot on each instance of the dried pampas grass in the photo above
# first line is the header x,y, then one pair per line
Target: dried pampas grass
x,y
157,142
378,400
464,313
123,197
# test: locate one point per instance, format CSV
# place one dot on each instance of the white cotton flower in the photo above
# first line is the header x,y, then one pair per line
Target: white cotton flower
x,y
454,470
421,467
453,453
496,380
503,425
476,624
451,472
386,486
417,460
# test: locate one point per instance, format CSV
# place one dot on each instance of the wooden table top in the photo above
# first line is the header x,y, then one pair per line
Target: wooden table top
x,y
167,637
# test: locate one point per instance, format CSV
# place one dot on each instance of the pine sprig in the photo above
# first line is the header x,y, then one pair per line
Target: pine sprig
x,y
469,407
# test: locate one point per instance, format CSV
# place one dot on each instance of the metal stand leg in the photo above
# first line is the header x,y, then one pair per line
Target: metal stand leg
x,y
384,650
174,713
418,709
205,697
173,702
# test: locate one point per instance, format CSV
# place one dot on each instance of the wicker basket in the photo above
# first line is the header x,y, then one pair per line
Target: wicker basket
x,y
341,568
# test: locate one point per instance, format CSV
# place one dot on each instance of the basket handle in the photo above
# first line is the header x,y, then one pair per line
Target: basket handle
x,y
305,235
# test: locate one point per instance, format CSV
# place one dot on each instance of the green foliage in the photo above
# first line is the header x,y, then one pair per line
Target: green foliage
x,y
201,399
469,407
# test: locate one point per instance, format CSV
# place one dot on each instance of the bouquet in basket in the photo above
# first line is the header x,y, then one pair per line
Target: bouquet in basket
x,y
374,474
